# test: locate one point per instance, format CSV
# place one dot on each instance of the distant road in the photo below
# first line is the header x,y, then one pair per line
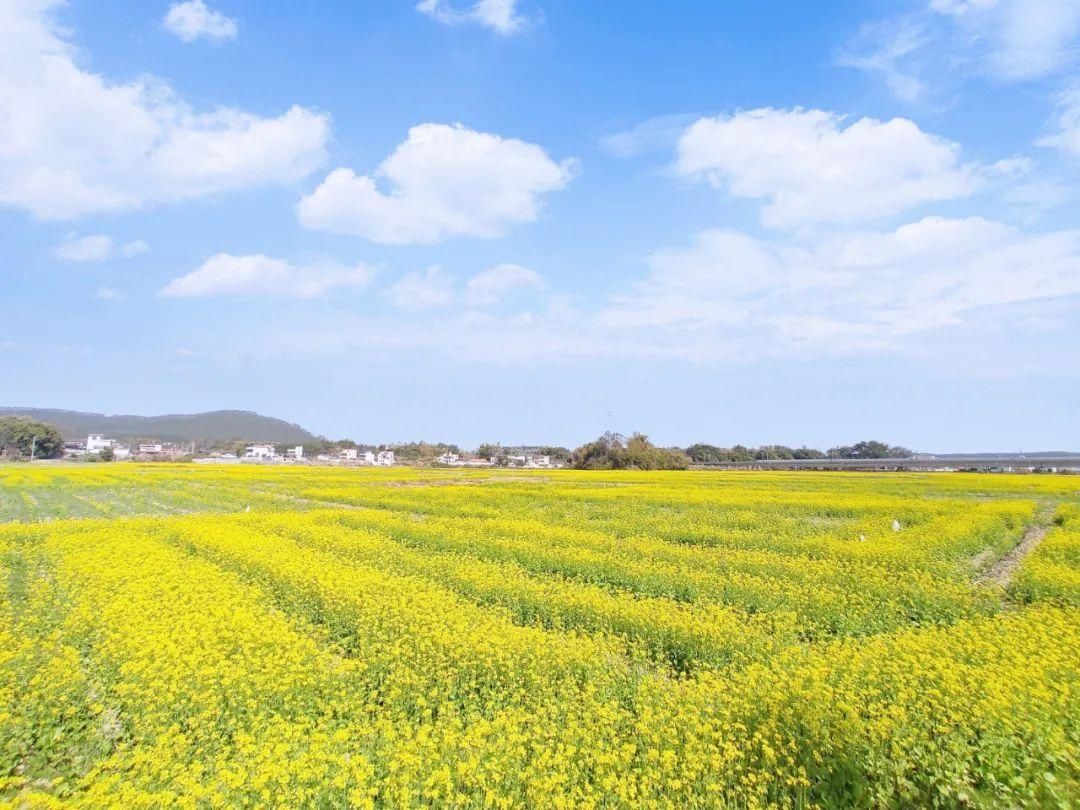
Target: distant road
x,y
1003,463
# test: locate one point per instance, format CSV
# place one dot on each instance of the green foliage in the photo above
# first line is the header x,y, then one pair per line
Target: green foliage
x,y
870,449
710,454
612,452
774,452
17,438
706,454
557,453
422,451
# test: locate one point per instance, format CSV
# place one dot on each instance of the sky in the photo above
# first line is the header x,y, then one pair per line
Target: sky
x,y
530,221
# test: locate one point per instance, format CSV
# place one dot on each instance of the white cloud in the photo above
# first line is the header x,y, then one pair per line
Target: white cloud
x,y
444,181
729,297
885,49
499,15
491,286
658,133
258,275
1066,122
952,293
74,143
1018,39
943,42
192,20
433,289
851,293
417,291
809,168
96,248
134,248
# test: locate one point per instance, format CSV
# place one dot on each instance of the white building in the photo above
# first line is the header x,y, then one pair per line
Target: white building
x,y
96,442
385,458
368,458
454,460
349,454
295,452
121,451
260,452
151,449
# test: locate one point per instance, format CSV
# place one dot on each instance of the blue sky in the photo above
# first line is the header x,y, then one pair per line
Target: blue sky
x,y
530,221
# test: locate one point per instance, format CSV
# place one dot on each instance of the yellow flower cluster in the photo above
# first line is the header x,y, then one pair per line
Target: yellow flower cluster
x,y
406,638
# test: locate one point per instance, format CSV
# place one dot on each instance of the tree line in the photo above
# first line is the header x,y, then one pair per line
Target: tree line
x,y
709,454
611,451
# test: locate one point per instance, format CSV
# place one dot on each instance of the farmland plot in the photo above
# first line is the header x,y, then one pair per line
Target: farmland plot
x,y
172,635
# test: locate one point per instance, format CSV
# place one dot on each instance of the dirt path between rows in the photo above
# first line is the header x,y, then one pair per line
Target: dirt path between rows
x,y
1001,572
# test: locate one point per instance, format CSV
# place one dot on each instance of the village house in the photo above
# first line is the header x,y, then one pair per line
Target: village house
x,y
96,442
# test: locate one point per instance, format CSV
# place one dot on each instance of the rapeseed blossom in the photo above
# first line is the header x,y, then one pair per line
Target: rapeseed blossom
x,y
398,638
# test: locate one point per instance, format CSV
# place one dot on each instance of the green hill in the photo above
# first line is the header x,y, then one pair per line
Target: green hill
x,y
212,426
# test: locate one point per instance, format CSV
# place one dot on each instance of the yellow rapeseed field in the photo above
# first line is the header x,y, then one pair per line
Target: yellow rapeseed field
x,y
177,636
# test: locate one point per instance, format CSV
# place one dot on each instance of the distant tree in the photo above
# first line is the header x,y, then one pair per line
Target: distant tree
x,y
807,452
17,437
409,451
774,452
490,450
705,453
319,447
602,454
612,452
107,454
422,451
556,453
869,449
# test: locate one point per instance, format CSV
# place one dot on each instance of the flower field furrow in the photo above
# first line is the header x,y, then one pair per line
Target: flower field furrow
x,y
827,597
781,523
985,714
681,635
404,622
208,696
